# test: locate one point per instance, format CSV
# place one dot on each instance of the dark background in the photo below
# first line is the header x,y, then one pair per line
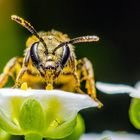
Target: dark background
x,y
115,57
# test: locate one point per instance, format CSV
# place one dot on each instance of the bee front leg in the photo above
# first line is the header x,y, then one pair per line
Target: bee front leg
x,y
18,82
24,68
77,84
85,66
12,66
75,75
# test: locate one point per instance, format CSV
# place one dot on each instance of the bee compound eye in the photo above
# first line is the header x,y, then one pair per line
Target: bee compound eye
x,y
65,55
34,54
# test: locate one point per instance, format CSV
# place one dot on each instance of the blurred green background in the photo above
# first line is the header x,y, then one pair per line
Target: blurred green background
x,y
115,57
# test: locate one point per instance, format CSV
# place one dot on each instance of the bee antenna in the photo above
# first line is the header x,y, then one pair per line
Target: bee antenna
x,y
28,26
81,39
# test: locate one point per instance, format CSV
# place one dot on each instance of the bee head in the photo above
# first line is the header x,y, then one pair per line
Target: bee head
x,y
49,62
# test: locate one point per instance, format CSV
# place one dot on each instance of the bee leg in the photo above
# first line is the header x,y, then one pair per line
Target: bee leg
x,y
18,82
77,82
86,69
75,75
24,68
12,66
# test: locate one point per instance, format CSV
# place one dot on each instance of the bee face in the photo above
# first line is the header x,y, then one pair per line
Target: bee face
x,y
49,59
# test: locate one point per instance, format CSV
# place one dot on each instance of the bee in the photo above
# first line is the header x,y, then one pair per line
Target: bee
x,y
49,62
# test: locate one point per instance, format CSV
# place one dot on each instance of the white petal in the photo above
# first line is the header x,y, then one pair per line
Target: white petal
x,y
137,85
114,88
136,94
70,103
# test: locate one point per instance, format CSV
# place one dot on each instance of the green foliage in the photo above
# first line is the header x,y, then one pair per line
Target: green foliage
x,y
78,130
134,112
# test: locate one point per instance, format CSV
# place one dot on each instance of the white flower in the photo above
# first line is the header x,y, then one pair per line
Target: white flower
x,y
119,88
51,113
108,135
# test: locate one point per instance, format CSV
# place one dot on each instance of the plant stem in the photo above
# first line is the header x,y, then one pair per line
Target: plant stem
x,y
33,137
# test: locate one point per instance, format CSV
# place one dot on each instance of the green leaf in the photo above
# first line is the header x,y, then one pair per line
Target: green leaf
x,y
31,118
78,130
134,112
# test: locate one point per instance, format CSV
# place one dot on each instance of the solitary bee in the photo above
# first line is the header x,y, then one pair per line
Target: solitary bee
x,y
49,62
